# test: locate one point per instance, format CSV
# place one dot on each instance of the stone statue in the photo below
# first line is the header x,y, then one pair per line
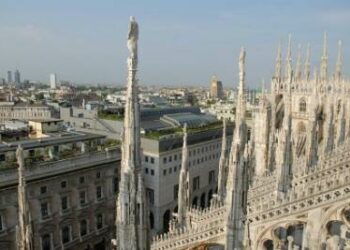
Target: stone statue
x,y
242,60
133,36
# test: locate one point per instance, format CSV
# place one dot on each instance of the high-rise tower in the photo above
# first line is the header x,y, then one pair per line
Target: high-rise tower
x,y
132,216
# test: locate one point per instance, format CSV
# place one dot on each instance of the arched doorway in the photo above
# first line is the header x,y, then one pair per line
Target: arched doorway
x,y
166,220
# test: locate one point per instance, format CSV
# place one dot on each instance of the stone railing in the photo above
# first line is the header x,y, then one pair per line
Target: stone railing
x,y
8,177
207,225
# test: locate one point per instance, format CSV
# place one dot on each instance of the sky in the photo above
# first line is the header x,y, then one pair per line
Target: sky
x,y
182,42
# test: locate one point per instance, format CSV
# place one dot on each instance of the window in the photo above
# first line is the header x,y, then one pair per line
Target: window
x,y
164,160
43,190
65,234
195,185
63,184
150,195
152,172
46,242
170,158
211,176
98,192
146,158
175,157
146,170
152,160
302,105
2,158
176,191
99,221
83,227
170,170
175,169
81,179
98,175
44,208
164,172
64,203
82,197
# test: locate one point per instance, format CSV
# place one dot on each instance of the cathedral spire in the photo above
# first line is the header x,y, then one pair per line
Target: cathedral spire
x,y
235,196
307,63
184,186
339,64
324,60
298,64
24,229
241,105
289,57
278,66
222,163
131,218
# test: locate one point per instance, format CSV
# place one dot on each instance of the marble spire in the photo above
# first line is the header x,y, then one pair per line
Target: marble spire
x,y
324,60
284,148
289,58
184,184
24,229
298,64
278,66
237,173
339,65
132,215
307,64
222,163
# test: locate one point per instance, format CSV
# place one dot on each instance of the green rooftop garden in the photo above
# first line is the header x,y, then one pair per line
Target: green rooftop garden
x,y
178,131
109,116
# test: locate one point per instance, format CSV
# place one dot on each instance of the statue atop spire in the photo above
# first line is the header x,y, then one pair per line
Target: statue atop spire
x,y
132,215
339,65
241,105
307,65
24,229
324,60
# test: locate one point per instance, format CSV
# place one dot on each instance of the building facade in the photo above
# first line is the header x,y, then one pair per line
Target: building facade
x,y
216,89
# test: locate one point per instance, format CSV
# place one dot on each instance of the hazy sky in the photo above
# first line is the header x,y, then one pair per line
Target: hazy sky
x,y
181,42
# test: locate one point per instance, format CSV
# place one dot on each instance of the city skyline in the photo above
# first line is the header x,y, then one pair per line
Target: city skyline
x,y
182,43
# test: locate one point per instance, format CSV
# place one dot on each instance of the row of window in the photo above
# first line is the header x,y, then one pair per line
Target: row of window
x,y
175,157
66,232
65,204
82,180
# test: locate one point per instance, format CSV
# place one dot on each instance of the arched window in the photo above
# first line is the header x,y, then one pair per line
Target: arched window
x,y
83,227
46,242
302,105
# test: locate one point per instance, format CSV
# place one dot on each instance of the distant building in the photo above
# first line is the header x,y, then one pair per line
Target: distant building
x,y
216,89
53,81
17,77
9,76
23,111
